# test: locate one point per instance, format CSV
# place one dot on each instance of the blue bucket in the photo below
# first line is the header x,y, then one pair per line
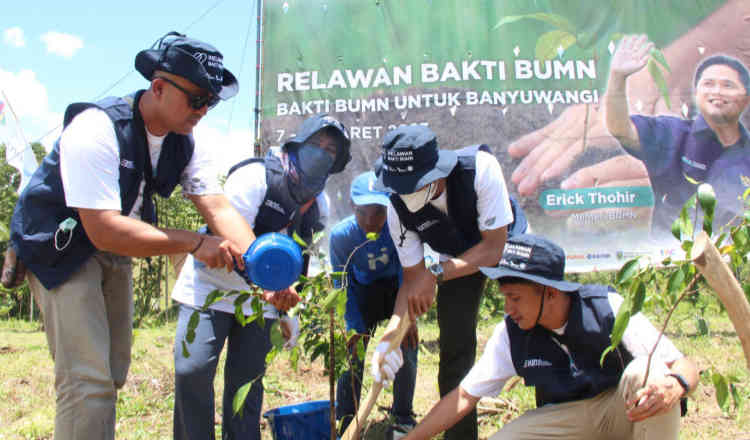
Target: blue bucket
x,y
273,261
303,421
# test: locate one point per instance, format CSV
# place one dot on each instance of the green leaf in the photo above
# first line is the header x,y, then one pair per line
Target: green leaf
x,y
676,228
604,354
192,325
299,239
555,20
185,352
621,322
720,240
213,297
372,236
241,298
722,390
701,325
676,282
341,306
4,233
548,44
659,57
686,228
661,83
509,19
294,357
239,397
638,298
239,314
330,300
627,271
277,337
320,349
707,200
739,402
317,236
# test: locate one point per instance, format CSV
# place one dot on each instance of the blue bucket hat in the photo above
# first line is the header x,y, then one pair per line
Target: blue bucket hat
x,y
194,60
318,122
363,191
532,258
411,160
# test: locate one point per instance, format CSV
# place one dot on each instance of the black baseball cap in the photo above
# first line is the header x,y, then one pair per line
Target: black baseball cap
x,y
411,159
194,60
532,258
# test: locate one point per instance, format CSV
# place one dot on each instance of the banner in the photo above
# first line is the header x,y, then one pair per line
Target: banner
x,y
530,79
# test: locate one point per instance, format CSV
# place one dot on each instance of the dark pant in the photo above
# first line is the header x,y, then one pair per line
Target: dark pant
x,y
378,302
194,375
458,307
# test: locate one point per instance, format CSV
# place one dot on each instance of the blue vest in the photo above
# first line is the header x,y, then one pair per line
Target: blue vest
x,y
455,233
278,208
41,207
558,377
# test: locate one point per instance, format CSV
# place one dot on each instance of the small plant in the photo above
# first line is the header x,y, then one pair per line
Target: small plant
x,y
321,315
733,242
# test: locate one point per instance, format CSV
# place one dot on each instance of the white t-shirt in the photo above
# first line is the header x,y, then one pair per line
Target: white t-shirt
x,y
493,207
90,163
246,189
488,376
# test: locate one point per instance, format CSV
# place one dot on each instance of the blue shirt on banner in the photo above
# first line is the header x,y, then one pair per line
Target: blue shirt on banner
x,y
373,261
673,149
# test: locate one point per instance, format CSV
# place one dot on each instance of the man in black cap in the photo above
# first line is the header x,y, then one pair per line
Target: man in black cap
x,y
554,335
89,208
457,202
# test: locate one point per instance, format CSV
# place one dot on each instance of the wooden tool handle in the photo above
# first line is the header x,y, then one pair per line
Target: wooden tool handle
x,y
719,276
352,431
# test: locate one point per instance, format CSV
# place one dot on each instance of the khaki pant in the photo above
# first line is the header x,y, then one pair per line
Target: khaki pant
x,y
600,417
88,321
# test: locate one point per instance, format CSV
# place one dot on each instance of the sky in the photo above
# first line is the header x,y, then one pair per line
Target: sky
x,y
55,53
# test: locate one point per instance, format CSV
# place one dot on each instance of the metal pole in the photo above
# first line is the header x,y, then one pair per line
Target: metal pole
x,y
258,74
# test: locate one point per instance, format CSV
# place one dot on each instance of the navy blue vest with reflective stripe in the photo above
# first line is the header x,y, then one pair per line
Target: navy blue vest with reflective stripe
x,y
458,231
560,377
41,206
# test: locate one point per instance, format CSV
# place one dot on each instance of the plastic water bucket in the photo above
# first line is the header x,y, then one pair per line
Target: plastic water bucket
x,y
273,261
303,421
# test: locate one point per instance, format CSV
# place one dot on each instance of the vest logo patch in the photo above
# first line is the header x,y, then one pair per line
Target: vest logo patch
x,y
275,206
536,363
127,164
426,225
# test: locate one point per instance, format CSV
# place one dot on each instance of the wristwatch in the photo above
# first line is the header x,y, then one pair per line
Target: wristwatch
x,y
437,270
681,380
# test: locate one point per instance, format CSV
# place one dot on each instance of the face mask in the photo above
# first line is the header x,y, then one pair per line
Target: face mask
x,y
417,200
309,167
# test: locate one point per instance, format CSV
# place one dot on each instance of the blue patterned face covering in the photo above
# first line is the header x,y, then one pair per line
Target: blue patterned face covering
x,y
309,168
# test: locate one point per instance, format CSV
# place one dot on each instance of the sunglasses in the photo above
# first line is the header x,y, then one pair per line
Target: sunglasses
x,y
196,102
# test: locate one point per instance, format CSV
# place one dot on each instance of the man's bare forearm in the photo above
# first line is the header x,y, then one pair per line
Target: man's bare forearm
x,y
617,113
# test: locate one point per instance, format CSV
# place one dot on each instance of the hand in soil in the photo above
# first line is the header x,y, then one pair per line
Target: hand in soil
x,y
548,152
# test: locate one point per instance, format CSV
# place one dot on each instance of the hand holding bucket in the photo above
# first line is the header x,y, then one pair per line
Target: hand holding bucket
x,y
273,261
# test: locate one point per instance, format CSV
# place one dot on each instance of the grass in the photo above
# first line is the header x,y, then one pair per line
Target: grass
x,y
144,409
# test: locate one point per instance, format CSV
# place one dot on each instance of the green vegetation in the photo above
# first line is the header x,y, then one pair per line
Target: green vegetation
x,y
145,403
